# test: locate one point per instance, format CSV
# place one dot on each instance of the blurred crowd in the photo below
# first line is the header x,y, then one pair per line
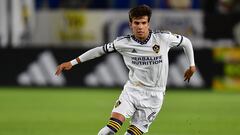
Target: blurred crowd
x,y
209,6
117,4
24,21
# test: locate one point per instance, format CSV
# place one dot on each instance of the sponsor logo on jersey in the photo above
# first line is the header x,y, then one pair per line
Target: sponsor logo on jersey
x,y
146,60
156,48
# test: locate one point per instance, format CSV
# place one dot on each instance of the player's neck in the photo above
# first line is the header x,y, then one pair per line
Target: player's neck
x,y
142,39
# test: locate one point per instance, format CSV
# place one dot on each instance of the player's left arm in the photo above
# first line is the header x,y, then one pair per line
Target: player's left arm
x,y
188,49
176,40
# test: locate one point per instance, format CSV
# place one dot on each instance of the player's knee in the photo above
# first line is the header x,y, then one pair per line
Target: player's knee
x,y
106,131
133,130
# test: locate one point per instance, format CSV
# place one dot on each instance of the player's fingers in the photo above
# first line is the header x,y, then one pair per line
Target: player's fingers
x,y
59,70
189,76
185,74
188,79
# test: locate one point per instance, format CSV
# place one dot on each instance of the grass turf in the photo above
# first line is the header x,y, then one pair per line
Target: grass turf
x,y
80,111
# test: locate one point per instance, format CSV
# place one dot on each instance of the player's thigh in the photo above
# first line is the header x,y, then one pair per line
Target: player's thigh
x,y
124,105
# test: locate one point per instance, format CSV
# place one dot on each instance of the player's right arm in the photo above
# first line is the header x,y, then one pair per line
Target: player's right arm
x,y
90,54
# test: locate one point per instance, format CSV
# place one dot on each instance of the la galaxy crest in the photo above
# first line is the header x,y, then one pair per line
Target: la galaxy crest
x,y
156,48
117,104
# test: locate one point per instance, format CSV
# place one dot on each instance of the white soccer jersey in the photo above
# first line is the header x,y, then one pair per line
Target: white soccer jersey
x,y
147,61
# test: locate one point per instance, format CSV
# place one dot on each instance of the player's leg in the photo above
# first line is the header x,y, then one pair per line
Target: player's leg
x,y
133,130
141,121
122,109
146,112
106,131
113,125
136,124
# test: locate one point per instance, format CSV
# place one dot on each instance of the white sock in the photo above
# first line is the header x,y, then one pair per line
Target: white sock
x,y
105,131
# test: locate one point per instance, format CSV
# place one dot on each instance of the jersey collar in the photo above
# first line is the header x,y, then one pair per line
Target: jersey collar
x,y
142,42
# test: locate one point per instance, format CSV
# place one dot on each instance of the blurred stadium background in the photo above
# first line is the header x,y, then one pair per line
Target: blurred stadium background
x,y
37,35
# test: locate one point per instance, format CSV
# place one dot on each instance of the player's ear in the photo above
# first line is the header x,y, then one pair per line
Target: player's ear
x,y
130,25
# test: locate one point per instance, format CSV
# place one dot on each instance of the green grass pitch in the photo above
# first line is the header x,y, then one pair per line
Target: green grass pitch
x,y
81,111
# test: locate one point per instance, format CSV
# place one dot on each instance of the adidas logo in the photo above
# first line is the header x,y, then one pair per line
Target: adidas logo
x,y
134,51
41,72
111,72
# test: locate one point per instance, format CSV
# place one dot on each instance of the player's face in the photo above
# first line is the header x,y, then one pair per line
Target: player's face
x,y
140,27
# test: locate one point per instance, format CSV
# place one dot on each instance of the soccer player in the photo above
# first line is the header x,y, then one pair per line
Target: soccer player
x,y
145,53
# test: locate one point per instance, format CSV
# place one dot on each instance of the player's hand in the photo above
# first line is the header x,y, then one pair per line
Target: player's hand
x,y
63,66
188,73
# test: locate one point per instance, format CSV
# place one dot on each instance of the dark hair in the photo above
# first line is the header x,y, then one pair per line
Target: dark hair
x,y
139,11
